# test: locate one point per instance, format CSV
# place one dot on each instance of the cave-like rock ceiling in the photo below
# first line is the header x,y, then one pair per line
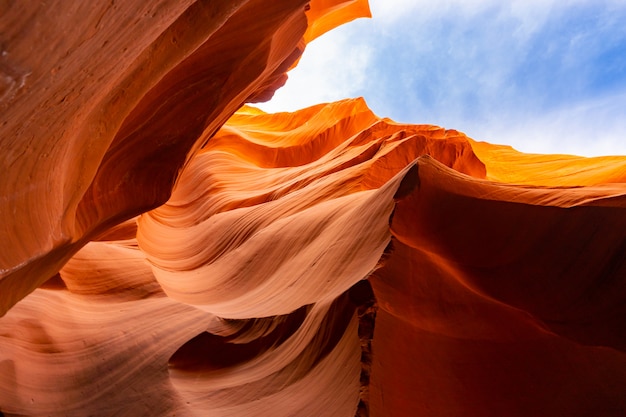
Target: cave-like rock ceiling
x,y
168,249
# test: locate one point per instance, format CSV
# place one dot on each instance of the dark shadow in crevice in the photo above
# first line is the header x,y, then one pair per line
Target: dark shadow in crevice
x,y
208,351
362,295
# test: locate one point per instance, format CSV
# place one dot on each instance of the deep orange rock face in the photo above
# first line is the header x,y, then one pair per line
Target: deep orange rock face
x,y
164,256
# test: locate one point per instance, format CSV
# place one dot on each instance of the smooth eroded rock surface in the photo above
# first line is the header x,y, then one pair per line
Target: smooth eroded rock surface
x,y
166,251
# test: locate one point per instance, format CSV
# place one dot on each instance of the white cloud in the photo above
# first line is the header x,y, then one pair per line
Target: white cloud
x,y
332,68
391,11
587,128
485,67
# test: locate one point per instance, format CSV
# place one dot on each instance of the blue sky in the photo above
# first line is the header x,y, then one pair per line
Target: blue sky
x,y
544,76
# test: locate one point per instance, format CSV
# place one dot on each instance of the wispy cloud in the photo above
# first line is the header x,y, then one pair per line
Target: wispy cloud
x,y
541,75
332,68
592,128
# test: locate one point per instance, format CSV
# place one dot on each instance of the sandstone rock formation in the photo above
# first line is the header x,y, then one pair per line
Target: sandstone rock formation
x,y
164,256
102,99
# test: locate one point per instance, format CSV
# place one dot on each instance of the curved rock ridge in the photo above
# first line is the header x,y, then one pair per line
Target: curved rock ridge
x,y
239,295
507,165
326,262
502,300
260,216
116,99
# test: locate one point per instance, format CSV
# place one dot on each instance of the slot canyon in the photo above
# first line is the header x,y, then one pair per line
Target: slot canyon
x,y
167,248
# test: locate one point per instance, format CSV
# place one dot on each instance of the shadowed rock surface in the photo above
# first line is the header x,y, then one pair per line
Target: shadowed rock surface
x,y
167,250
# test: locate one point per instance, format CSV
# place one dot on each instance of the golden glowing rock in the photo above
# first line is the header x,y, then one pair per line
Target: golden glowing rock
x,y
156,261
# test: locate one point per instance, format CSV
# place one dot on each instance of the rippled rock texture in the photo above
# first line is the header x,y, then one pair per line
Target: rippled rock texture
x,y
328,262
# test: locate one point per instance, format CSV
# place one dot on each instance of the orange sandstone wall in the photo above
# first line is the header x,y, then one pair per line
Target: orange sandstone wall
x,y
103,103
501,299
203,268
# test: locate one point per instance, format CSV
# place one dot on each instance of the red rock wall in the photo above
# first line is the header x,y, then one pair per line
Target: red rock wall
x,y
170,264
104,103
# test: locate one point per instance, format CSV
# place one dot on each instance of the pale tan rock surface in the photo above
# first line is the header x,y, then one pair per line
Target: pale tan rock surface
x,y
156,261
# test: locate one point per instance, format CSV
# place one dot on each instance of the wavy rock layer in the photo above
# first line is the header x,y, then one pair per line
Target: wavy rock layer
x,y
498,279
116,99
239,296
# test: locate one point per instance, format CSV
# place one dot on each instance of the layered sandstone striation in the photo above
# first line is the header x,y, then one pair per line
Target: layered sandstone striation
x,y
166,251
103,99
